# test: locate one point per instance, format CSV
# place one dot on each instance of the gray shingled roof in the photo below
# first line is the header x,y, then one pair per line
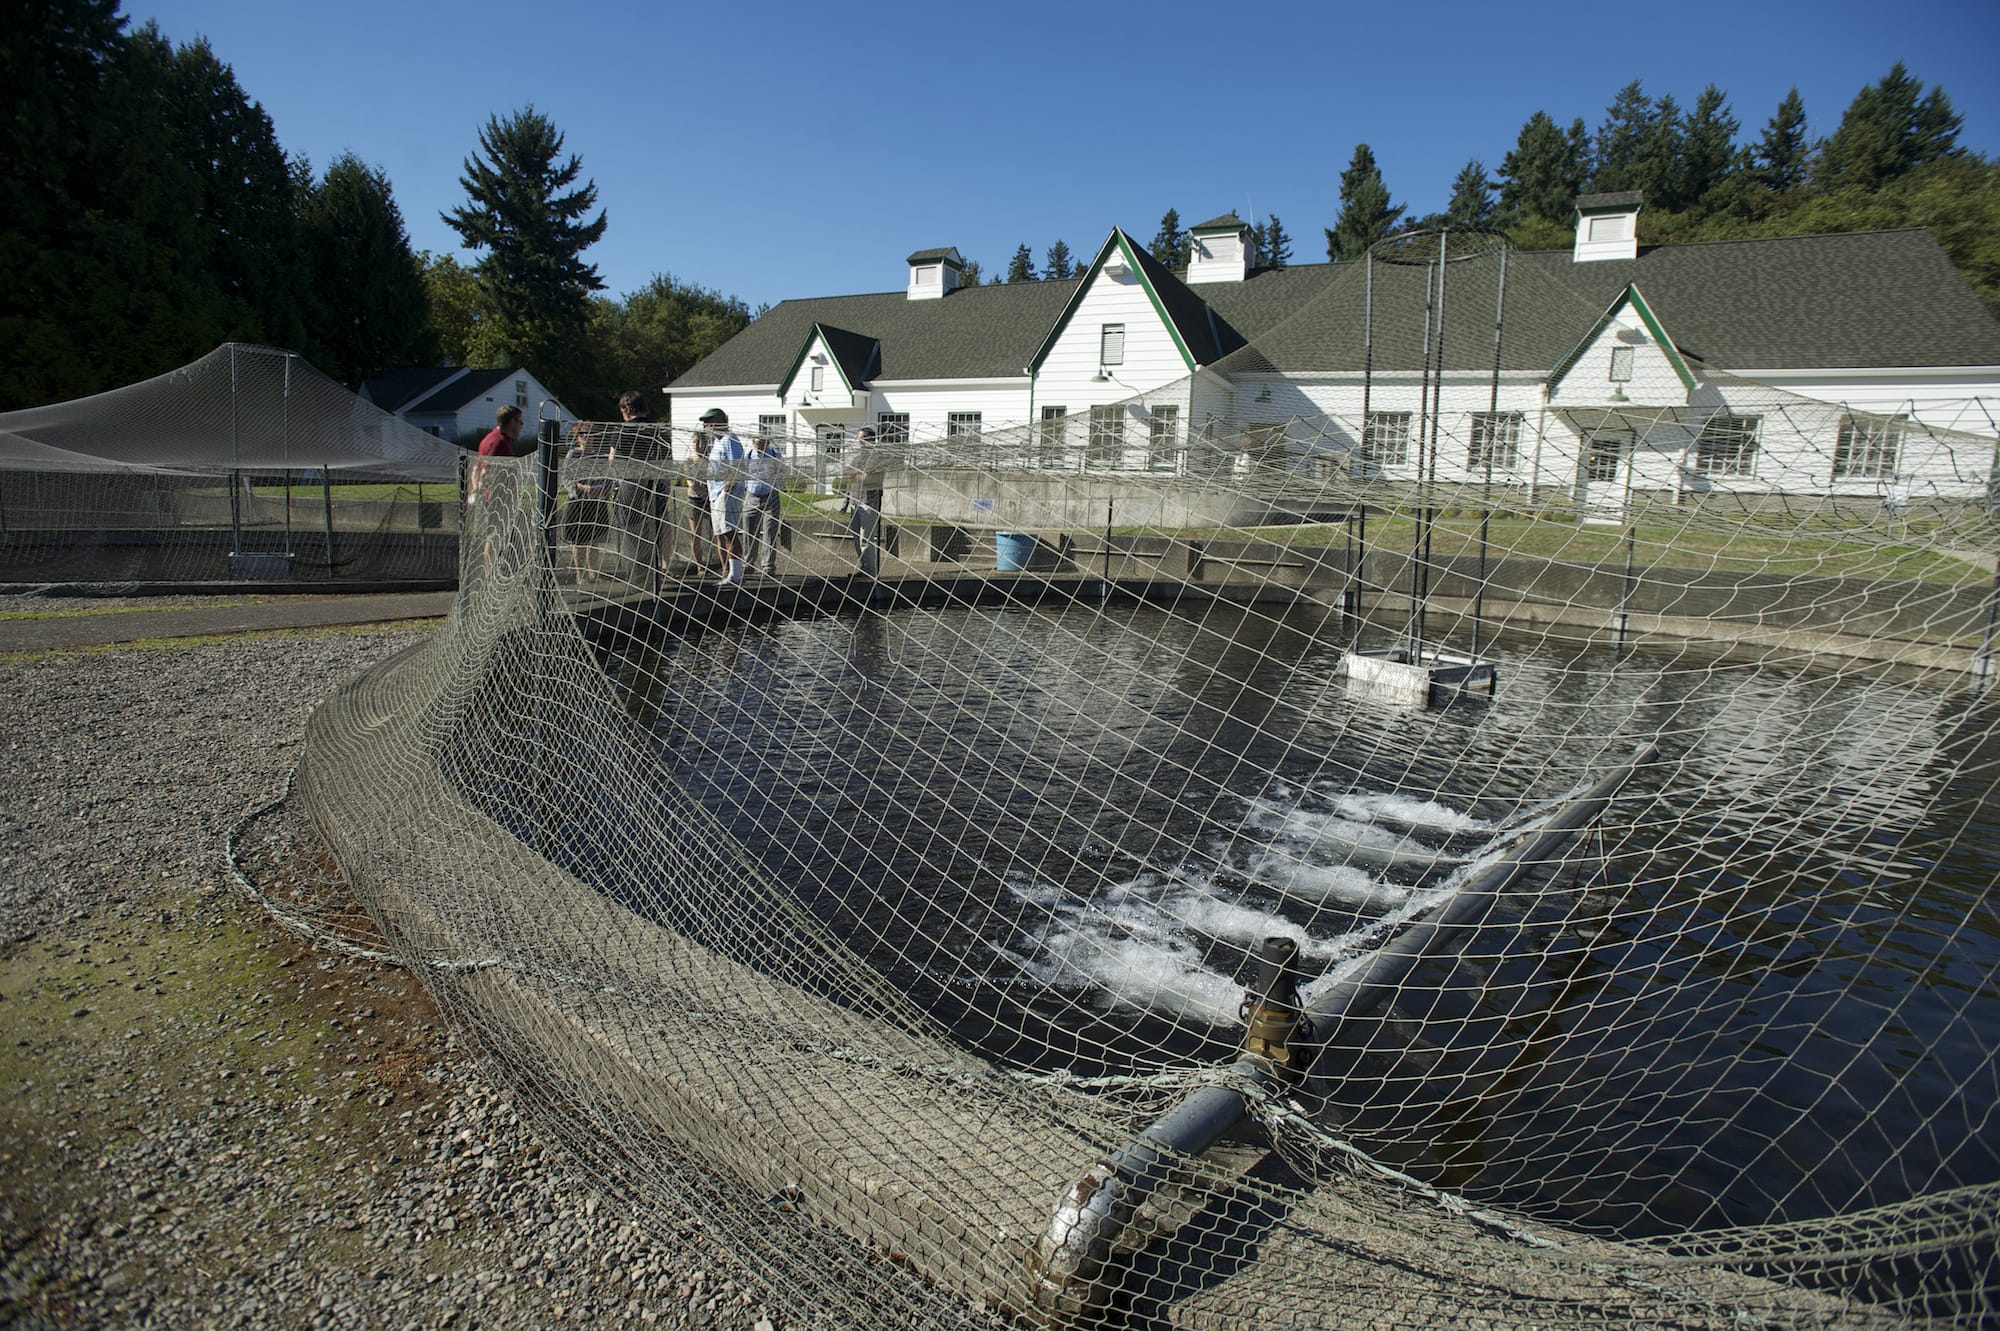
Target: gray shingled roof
x,y
1877,299
461,390
1618,199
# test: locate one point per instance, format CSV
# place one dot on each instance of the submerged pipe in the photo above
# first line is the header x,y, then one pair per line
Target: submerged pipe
x,y
1066,1270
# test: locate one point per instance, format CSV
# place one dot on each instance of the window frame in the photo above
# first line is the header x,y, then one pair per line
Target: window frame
x,y
1105,444
1108,351
1493,439
1881,450
958,424
892,428
1741,460
1163,445
1052,436
1372,436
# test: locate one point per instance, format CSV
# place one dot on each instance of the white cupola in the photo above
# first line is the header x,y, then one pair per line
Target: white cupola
x,y
934,273
1219,250
1607,226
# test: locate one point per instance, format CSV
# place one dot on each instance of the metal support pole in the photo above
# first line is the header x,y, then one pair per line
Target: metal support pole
x,y
326,504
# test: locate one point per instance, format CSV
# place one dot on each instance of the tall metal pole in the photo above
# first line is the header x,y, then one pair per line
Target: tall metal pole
x,y
235,464
1486,498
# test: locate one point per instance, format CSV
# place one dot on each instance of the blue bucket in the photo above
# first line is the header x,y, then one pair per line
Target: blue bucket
x,y
1013,551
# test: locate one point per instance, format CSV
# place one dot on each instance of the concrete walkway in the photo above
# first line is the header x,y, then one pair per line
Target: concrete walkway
x,y
25,629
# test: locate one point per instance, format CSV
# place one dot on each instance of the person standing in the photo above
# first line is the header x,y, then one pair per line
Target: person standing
x,y
864,502
504,439
701,533
765,492
647,498
725,493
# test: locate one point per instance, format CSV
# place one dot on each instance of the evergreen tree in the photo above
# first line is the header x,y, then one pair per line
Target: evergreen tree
x,y
1366,215
1022,267
523,212
1661,169
1541,177
248,203
1783,156
1621,135
970,275
1170,244
1471,196
1274,249
373,313
1888,130
1709,156
1058,263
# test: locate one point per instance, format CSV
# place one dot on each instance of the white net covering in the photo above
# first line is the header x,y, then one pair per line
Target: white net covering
x,y
248,464
1236,868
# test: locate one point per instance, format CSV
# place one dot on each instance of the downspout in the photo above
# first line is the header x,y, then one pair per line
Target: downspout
x,y
1068,1265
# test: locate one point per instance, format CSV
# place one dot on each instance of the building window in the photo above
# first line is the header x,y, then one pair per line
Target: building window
x,y
770,427
1600,462
1385,439
892,427
521,393
1052,436
960,423
1107,436
1868,448
1496,441
1111,345
819,379
1163,438
1727,446
1607,228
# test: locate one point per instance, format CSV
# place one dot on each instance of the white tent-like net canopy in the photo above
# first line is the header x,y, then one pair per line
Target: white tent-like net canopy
x,y
248,464
1190,879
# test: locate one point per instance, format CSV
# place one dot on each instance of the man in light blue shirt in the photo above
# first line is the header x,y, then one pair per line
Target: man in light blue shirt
x,y
766,487
725,492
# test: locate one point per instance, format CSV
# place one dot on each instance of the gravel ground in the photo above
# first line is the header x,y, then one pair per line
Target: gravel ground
x,y
206,1123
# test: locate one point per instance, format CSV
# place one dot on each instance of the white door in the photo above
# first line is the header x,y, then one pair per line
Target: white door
x,y
1603,481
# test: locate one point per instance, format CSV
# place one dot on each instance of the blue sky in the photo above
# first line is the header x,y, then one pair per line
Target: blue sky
x,y
771,150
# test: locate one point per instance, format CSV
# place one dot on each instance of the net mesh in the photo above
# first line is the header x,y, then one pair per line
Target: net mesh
x,y
247,465
903,911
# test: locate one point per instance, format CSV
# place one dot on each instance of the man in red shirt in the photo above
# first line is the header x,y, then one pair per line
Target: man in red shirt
x,y
503,440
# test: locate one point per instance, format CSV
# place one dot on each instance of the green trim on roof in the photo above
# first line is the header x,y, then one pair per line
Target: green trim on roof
x,y
1120,243
1630,296
817,333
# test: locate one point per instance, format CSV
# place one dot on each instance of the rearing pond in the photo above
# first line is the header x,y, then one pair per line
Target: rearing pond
x,y
1761,989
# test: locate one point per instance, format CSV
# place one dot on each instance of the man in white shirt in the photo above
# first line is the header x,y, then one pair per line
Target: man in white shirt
x,y
765,490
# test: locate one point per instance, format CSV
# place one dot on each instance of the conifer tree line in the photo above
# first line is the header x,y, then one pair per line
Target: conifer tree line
x,y
152,215
1892,161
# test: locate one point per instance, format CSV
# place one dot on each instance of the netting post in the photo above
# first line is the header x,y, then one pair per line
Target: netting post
x,y
549,437
326,506
1982,664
